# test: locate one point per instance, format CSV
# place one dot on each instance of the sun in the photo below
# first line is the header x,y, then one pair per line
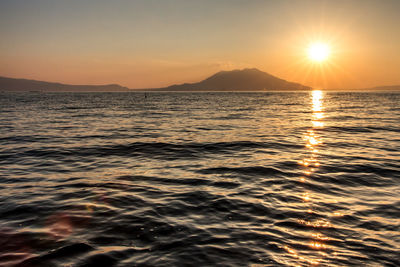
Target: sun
x,y
318,52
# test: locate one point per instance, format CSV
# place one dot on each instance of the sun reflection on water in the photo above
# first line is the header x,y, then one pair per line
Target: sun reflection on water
x,y
310,164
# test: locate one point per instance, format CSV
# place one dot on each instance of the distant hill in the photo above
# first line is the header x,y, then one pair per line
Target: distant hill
x,y
376,88
238,80
20,85
386,88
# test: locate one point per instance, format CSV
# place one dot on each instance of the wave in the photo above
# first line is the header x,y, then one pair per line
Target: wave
x,y
198,179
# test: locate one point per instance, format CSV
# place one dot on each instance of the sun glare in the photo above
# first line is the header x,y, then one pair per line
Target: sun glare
x,y
318,52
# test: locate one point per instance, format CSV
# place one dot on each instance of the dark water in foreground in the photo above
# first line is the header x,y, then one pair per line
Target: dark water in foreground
x,y
200,179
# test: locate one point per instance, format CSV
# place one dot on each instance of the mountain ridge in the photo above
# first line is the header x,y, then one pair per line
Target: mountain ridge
x,y
249,79
23,85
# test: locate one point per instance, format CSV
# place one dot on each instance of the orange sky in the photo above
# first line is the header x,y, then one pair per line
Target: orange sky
x,y
149,43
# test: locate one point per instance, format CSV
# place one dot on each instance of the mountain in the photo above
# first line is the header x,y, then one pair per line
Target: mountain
x,y
19,85
238,80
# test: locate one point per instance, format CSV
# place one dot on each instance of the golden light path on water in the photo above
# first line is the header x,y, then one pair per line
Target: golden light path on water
x,y
310,164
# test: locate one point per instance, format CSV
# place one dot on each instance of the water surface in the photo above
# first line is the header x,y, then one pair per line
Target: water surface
x,y
199,179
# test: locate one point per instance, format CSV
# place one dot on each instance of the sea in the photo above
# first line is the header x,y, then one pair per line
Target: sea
x,y
200,179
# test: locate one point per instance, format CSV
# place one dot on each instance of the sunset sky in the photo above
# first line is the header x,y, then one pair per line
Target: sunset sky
x,y
148,43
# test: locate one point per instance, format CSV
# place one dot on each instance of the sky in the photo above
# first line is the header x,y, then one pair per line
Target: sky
x,y
149,43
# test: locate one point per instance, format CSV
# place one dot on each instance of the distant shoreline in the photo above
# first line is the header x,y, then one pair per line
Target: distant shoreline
x,y
245,80
201,92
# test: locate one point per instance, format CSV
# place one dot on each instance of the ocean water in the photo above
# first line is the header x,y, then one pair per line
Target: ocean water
x,y
200,179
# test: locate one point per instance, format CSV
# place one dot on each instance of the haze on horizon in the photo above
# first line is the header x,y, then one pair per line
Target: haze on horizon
x,y
148,43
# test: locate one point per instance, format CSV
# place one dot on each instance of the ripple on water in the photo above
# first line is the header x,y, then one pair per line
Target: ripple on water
x,y
199,179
